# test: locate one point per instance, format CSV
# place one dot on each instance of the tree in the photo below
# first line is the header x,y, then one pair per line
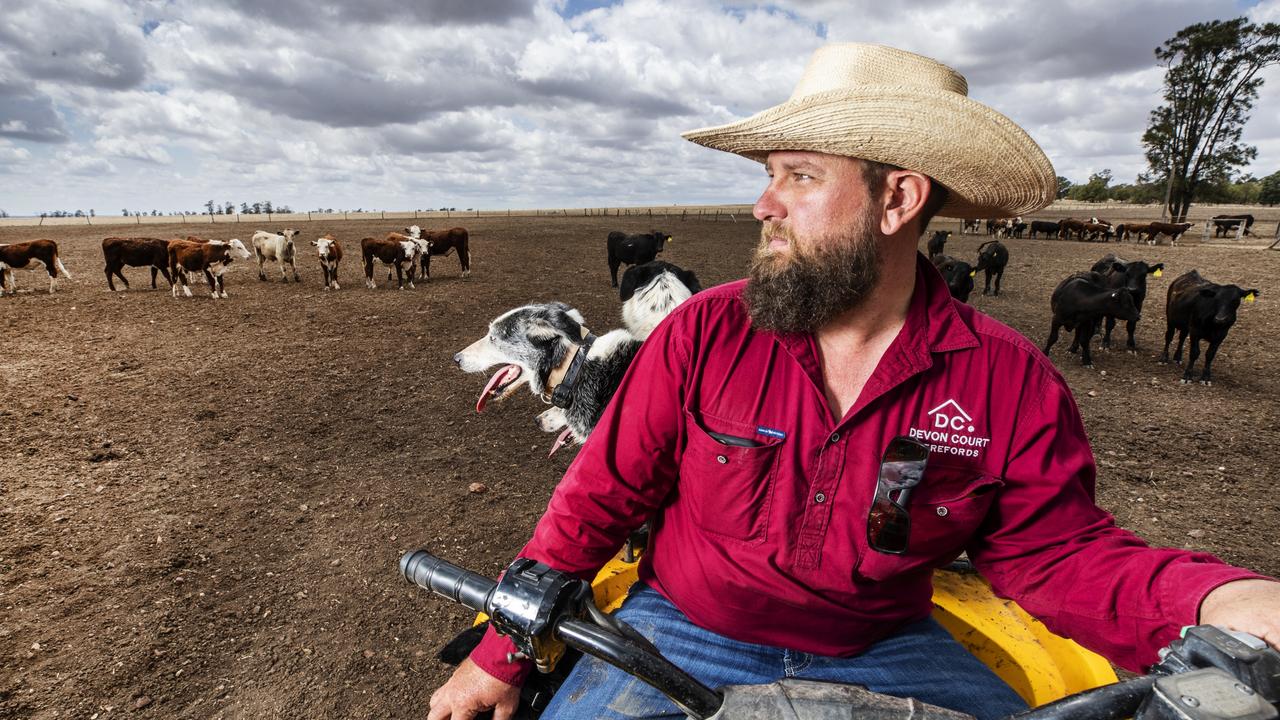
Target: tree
x,y
1269,192
1210,84
266,207
208,206
257,208
124,213
1093,191
229,208
1064,186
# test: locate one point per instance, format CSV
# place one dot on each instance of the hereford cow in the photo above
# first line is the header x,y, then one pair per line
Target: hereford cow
x,y
443,242
330,253
633,249
211,257
1225,224
970,227
1045,227
1092,231
1173,230
1079,303
136,252
937,242
276,247
1131,275
1205,311
997,226
993,256
396,250
31,255
1067,226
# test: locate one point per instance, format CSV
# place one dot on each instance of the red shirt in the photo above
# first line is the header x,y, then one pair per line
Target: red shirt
x,y
768,544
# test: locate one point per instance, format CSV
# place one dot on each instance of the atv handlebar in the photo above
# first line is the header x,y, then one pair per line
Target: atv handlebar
x,y
556,621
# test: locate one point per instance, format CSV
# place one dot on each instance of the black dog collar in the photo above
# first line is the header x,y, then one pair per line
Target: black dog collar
x,y
562,395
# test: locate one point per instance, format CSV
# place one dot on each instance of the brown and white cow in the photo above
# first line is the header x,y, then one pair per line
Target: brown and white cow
x,y
443,242
400,251
211,257
135,252
31,255
1173,230
330,252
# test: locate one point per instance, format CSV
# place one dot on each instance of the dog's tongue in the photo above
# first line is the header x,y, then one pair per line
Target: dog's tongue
x,y
510,372
560,441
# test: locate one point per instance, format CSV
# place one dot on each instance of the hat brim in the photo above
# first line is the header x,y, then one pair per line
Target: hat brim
x,y
989,165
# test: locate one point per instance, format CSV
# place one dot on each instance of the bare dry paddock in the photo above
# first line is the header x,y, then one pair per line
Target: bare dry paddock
x,y
202,502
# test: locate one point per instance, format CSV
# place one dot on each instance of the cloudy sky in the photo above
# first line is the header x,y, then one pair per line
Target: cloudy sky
x,y
407,104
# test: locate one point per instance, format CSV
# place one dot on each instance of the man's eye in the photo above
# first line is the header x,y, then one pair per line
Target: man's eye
x,y
802,176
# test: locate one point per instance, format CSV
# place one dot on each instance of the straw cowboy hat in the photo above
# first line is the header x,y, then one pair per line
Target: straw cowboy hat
x,y
891,106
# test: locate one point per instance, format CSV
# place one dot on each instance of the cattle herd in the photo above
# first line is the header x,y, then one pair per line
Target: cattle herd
x,y
1085,302
1113,289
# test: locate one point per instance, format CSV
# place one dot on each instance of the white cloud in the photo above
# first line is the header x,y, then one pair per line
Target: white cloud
x,y
505,103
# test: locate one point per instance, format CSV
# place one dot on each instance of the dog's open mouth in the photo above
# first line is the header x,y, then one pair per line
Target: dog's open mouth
x,y
499,386
560,441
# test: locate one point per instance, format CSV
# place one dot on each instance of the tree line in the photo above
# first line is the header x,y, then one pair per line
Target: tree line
x,y
1149,189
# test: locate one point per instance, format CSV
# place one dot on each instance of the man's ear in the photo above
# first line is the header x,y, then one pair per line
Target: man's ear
x,y
904,197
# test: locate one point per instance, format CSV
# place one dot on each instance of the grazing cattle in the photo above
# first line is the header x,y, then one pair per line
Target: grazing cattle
x,y
443,242
1016,228
997,226
1045,227
277,247
633,250
400,251
970,227
993,256
1224,224
1205,311
1079,303
958,274
1132,275
1067,226
211,256
135,252
330,252
937,242
1173,230
31,255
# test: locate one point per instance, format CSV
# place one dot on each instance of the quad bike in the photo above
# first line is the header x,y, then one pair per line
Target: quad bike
x,y
1208,674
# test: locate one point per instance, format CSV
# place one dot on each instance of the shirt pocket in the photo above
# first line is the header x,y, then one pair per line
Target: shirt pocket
x,y
728,488
946,510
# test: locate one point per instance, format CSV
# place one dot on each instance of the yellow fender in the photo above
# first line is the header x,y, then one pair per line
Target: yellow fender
x,y
1040,666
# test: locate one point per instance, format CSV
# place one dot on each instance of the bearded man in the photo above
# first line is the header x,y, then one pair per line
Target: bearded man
x,y
751,425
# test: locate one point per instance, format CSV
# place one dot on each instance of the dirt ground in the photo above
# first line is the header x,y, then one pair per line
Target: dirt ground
x,y
202,502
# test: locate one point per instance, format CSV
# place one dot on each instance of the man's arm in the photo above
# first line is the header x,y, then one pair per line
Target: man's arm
x,y
1251,606
1048,546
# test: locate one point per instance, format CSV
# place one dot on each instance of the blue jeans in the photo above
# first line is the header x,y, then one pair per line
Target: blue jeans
x,y
922,661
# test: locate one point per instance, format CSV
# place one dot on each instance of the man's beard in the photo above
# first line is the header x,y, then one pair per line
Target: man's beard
x,y
819,279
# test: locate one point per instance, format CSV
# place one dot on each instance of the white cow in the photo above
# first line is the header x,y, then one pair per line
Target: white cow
x,y
277,247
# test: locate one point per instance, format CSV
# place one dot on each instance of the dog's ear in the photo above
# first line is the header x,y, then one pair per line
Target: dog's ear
x,y
690,281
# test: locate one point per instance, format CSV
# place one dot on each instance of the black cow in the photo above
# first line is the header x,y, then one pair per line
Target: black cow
x,y
958,274
1223,224
1079,303
633,250
1133,276
1049,229
1205,310
993,256
937,242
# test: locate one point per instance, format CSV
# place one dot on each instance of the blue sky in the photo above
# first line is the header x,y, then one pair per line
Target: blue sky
x,y
164,104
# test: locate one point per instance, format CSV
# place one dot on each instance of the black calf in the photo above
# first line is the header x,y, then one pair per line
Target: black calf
x,y
1204,310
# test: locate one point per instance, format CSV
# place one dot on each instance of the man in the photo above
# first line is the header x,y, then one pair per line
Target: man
x,y
756,415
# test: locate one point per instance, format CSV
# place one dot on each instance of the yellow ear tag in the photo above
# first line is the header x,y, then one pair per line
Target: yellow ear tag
x,y
972,273
1158,272
1248,298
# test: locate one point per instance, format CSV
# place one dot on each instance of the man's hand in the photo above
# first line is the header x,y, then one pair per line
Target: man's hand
x,y
472,690
1252,606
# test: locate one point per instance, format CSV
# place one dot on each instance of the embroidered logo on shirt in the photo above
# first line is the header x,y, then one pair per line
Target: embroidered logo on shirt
x,y
950,430
771,432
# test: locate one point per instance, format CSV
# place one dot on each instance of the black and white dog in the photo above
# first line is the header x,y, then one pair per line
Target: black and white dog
x,y
651,291
547,347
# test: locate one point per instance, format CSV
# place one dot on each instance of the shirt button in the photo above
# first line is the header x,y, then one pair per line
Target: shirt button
x,y
942,511
820,498
722,459
835,438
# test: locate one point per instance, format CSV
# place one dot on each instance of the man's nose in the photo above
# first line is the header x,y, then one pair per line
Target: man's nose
x,y
768,206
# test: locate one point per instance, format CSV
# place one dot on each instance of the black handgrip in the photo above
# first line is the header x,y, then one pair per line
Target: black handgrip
x,y
444,578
